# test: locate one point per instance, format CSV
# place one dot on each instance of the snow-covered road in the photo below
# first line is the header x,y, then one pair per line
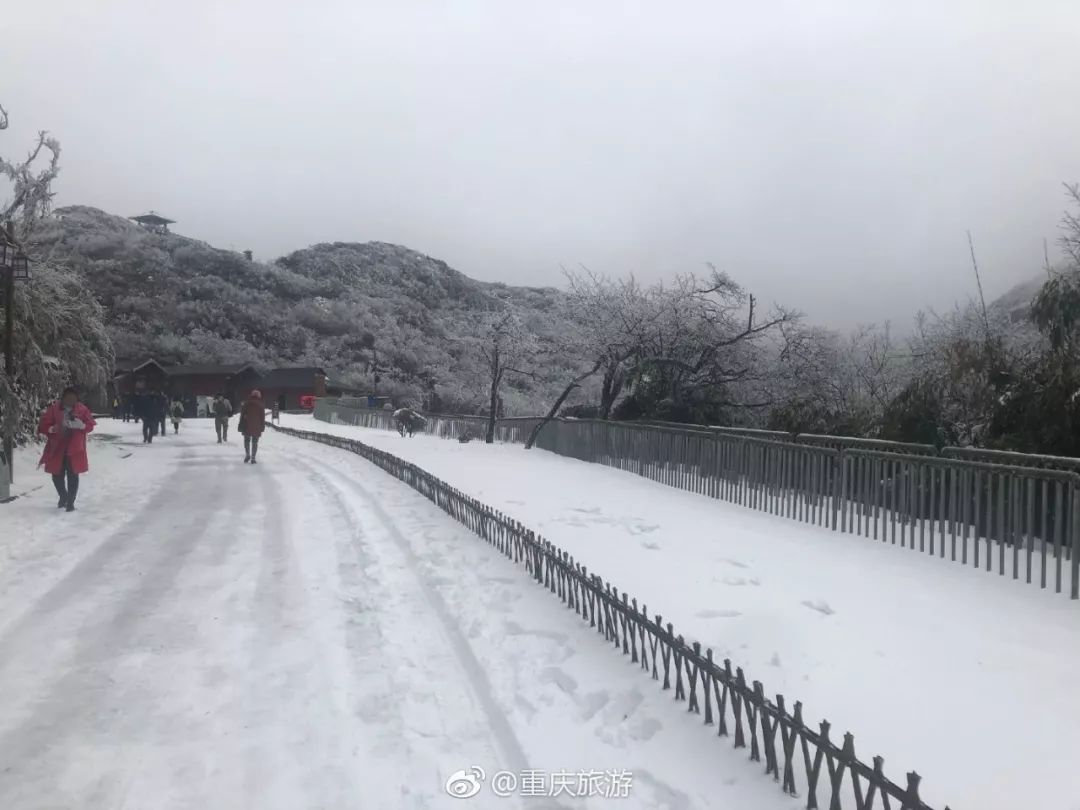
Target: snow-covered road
x,y
306,633
968,678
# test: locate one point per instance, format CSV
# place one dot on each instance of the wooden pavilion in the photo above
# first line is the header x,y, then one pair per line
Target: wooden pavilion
x,y
154,222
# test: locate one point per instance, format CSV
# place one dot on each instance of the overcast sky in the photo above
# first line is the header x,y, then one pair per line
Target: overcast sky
x,y
829,155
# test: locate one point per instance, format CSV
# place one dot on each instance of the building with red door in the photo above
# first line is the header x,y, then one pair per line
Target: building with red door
x,y
285,387
194,385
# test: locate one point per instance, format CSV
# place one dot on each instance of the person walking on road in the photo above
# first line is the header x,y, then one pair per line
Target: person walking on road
x,y
147,406
275,413
65,423
222,410
177,413
140,410
252,424
162,410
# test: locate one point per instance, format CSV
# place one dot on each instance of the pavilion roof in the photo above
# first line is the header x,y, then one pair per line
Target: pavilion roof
x,y
152,218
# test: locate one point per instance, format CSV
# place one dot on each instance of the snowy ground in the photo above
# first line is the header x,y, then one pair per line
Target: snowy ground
x,y
971,679
307,633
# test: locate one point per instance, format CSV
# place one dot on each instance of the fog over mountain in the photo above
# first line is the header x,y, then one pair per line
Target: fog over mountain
x,y
828,155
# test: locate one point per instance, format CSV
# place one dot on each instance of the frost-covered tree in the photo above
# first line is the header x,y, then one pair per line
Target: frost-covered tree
x,y
691,351
612,321
826,382
505,344
605,323
704,356
59,333
1055,310
30,181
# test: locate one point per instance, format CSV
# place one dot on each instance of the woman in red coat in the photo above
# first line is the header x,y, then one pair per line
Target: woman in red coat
x,y
65,424
252,424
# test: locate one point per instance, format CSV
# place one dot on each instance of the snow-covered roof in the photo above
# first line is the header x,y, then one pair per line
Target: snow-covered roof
x,y
152,218
150,362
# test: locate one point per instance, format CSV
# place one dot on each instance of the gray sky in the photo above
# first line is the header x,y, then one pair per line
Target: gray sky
x,y
829,155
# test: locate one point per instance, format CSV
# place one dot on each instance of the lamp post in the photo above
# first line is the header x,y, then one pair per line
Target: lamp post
x,y
15,266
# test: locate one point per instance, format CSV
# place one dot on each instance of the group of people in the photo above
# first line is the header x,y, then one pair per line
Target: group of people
x,y
153,409
65,423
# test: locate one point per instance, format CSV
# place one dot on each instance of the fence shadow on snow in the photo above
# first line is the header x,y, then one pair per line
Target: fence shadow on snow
x,y
801,759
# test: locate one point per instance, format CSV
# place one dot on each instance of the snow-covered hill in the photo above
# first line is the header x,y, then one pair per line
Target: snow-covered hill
x,y
351,308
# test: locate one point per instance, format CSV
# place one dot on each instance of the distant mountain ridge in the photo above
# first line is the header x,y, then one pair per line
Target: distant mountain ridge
x,y
181,300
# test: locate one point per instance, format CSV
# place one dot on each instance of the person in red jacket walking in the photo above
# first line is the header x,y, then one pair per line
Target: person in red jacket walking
x,y
65,424
252,423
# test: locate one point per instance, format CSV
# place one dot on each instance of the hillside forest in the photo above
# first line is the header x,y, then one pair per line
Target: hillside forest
x,y
385,319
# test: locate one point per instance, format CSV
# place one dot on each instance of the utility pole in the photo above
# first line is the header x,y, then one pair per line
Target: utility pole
x,y
9,352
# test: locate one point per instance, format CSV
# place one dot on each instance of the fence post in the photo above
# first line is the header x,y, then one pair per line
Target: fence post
x,y
839,486
1075,527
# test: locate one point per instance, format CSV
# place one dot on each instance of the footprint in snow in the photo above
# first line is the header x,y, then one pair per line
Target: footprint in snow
x,y
821,606
717,614
661,793
645,729
525,706
559,678
651,546
515,629
736,563
593,702
575,522
775,660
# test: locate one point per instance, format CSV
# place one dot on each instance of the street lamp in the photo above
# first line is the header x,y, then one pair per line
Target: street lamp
x,y
20,267
15,265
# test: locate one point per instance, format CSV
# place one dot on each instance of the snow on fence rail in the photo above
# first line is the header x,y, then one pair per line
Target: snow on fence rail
x,y
1008,516
718,692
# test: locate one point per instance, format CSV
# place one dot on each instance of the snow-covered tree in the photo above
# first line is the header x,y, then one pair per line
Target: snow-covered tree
x,y
59,332
705,358
505,344
604,327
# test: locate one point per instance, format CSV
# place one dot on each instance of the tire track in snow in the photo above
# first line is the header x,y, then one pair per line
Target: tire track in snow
x,y
387,700
84,702
286,619
514,757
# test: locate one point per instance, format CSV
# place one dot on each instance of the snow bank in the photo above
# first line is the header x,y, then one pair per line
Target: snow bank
x,y
930,664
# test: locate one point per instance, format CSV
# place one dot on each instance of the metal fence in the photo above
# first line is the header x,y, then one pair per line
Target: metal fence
x,y
1011,513
354,412
801,759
